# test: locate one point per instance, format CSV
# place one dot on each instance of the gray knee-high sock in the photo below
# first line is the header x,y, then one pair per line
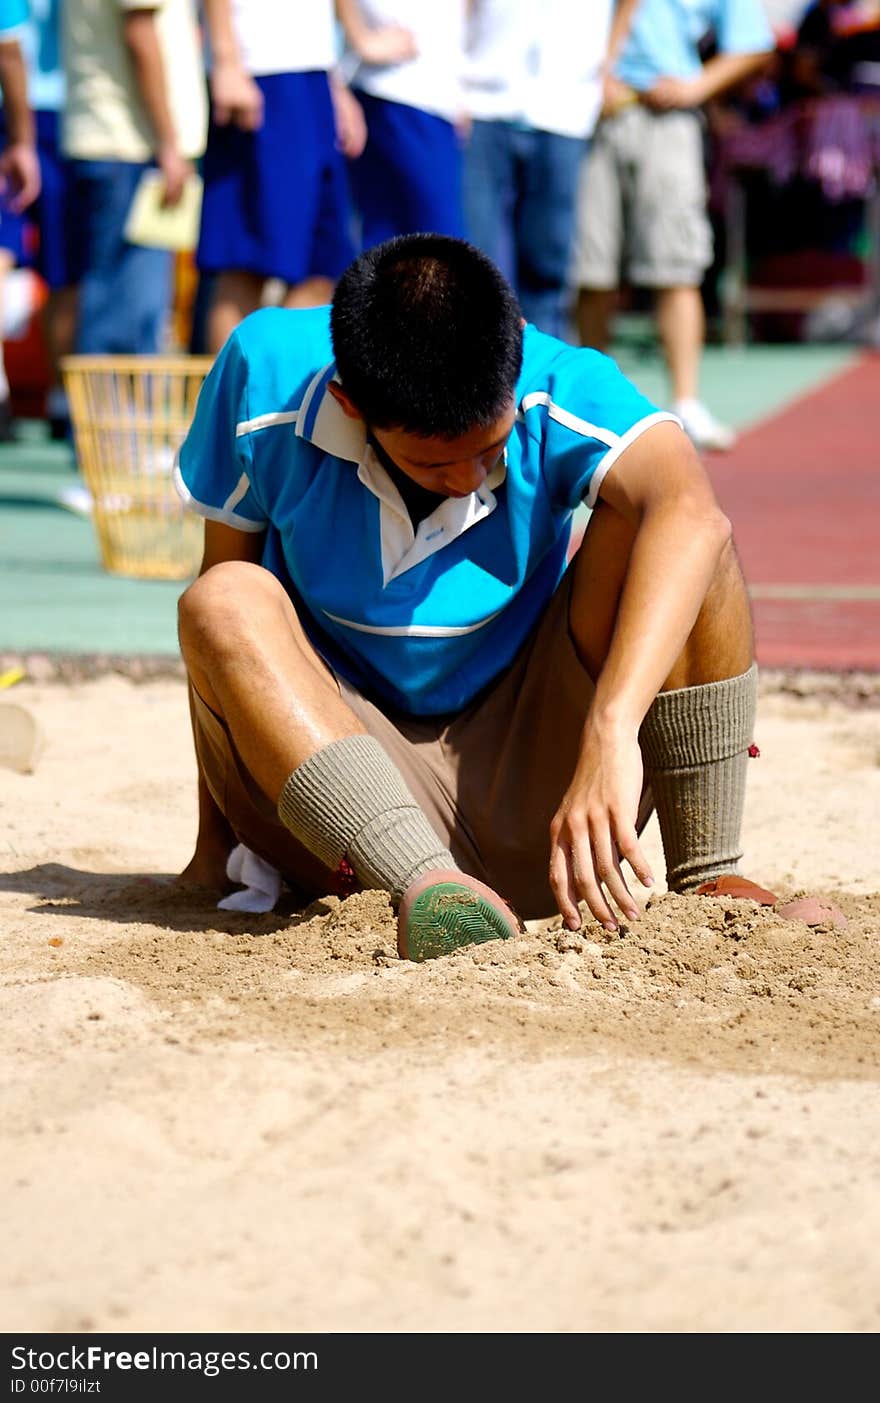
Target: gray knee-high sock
x,y
349,801
695,746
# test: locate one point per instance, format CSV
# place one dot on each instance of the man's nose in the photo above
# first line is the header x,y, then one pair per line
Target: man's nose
x,y
468,475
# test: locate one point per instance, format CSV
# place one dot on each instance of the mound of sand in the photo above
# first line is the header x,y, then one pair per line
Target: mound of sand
x,y
250,1123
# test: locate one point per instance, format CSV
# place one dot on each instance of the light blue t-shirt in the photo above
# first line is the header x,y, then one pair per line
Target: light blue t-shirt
x,y
665,34
41,46
423,617
12,14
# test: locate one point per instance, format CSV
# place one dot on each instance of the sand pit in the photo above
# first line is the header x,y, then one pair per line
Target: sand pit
x,y
219,1122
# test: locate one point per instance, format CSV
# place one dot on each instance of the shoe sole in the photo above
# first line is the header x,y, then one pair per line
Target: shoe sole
x,y
442,912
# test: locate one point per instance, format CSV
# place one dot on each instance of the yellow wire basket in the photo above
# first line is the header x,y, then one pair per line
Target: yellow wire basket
x,y
130,415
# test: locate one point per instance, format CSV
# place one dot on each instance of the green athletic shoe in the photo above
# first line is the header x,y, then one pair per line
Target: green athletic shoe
x,y
444,910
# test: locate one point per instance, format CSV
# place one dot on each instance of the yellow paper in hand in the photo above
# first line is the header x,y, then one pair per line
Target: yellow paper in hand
x,y
175,227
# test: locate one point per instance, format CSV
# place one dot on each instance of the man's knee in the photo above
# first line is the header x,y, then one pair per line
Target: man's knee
x,y
226,592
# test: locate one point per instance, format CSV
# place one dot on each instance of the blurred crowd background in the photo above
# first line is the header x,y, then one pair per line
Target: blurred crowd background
x,y
708,164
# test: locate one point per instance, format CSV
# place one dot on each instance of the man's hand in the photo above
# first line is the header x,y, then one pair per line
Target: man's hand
x,y
20,179
235,97
668,94
176,170
595,826
351,125
616,95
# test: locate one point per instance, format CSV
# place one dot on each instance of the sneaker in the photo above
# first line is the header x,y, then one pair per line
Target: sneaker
x,y
732,884
76,498
702,428
444,910
812,910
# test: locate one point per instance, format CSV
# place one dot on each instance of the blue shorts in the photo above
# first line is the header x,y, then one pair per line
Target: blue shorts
x,y
47,236
12,225
275,201
408,180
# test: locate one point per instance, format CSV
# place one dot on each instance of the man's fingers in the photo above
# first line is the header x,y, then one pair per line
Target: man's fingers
x,y
606,866
563,887
586,882
629,847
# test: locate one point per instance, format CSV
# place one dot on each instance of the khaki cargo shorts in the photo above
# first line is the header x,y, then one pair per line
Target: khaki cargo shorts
x,y
641,211
490,778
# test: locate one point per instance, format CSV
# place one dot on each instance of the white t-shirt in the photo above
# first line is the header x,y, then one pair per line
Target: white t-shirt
x,y
432,80
285,36
104,118
537,62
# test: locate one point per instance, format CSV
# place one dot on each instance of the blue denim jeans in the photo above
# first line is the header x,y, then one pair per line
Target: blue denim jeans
x,y
125,291
520,193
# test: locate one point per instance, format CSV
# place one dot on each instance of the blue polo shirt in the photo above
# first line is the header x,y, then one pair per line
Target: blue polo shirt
x,y
421,618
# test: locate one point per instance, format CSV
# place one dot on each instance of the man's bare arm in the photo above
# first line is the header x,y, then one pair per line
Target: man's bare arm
x,y
718,75
19,165
661,489
235,97
142,42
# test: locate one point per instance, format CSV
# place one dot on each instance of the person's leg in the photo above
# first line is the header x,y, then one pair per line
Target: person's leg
x,y
594,316
598,239
311,292
7,426
489,192
696,736
672,249
125,290
57,262
59,316
545,223
254,672
234,295
681,324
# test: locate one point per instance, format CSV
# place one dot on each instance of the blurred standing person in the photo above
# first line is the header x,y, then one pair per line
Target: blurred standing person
x,y
276,202
403,60
53,212
533,82
19,164
643,200
135,99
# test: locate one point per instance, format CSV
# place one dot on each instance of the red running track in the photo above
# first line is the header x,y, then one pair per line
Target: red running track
x,y
802,489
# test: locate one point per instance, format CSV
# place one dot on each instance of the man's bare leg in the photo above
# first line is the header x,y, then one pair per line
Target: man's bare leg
x,y
594,310
721,643
311,292
214,839
331,783
681,323
236,294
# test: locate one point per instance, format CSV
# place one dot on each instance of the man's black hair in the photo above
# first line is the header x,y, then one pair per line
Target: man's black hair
x,y
427,335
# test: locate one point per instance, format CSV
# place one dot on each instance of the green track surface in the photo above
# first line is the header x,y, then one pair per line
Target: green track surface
x,y
56,598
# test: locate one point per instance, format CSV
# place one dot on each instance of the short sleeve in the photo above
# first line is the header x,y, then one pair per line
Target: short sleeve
x,y
13,15
586,417
743,28
213,473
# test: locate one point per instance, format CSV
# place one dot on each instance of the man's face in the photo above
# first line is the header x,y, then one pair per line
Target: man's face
x,y
450,467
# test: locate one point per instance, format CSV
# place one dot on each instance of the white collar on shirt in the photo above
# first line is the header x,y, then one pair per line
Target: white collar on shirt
x,y
403,546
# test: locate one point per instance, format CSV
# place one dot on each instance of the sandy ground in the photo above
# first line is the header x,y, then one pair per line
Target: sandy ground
x,y
218,1122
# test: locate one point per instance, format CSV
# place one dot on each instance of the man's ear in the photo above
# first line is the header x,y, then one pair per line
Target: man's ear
x,y
342,399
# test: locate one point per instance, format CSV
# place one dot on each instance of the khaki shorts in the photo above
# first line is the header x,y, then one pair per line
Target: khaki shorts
x,y
641,210
489,778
